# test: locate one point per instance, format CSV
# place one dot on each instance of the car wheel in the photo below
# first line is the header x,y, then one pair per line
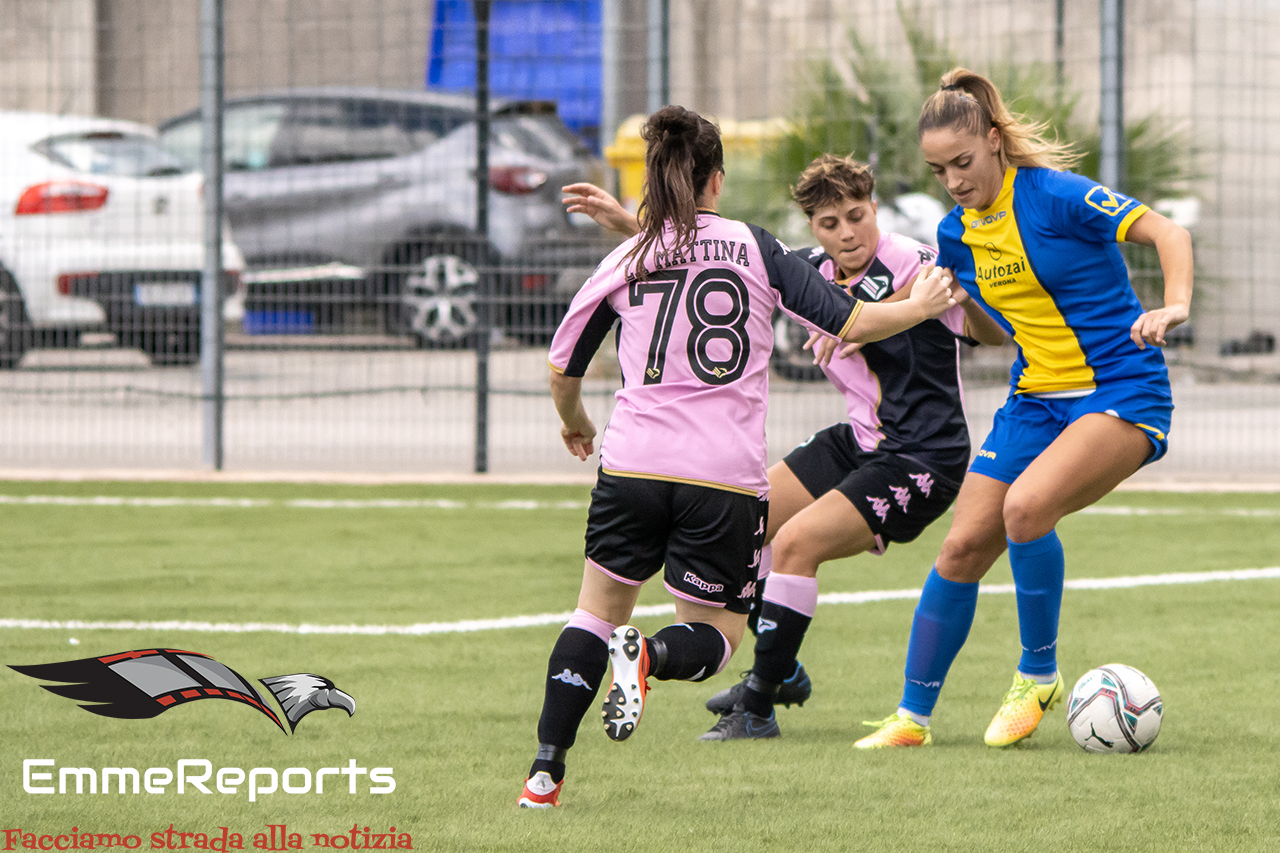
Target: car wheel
x,y
789,360
432,290
15,328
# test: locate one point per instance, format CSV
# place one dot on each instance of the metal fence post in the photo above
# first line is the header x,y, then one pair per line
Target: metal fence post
x,y
659,39
1111,115
212,376
484,322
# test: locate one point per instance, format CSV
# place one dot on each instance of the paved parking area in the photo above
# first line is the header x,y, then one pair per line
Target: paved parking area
x,y
407,412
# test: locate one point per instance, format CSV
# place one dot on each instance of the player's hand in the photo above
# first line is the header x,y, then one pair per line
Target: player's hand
x,y
822,346
600,206
579,438
827,346
931,290
1151,326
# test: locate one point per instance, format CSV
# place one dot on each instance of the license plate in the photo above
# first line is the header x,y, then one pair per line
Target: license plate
x,y
165,293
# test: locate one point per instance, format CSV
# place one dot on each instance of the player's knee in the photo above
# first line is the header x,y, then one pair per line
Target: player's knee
x,y
966,556
1028,515
793,553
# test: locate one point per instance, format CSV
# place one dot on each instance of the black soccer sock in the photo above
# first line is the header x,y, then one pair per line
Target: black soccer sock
x,y
577,667
686,652
759,695
781,634
551,759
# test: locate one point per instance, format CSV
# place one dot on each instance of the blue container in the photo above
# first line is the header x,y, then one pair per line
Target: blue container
x,y
279,323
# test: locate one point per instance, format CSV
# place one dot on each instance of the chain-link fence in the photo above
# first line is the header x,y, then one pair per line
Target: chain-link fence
x,y
383,313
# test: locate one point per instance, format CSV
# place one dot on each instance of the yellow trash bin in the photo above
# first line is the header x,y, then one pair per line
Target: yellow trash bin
x,y
626,154
744,142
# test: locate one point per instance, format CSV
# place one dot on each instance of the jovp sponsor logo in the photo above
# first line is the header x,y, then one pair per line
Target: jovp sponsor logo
x,y
988,220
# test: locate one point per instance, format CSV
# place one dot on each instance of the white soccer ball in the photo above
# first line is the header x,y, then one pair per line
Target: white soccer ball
x,y
1114,708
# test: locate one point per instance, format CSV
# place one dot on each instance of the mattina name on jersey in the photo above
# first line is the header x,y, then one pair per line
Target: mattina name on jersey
x,y
730,251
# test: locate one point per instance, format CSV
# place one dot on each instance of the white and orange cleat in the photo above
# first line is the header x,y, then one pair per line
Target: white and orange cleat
x,y
629,658
540,792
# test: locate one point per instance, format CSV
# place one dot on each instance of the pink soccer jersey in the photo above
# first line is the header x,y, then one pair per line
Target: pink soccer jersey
x,y
902,393
694,347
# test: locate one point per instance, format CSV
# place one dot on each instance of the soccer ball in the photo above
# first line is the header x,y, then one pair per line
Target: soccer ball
x,y
1114,708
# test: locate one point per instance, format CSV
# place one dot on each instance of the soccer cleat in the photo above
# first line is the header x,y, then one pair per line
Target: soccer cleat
x,y
1023,707
741,724
540,792
624,705
795,690
895,730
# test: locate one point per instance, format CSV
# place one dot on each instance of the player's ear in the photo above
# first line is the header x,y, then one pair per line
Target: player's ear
x,y
993,140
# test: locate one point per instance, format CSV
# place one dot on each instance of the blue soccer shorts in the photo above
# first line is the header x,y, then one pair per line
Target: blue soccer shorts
x,y
1026,425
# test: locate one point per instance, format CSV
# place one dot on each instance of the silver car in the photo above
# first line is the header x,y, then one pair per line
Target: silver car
x,y
357,208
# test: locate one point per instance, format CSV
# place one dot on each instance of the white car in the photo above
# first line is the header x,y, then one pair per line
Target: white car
x,y
101,230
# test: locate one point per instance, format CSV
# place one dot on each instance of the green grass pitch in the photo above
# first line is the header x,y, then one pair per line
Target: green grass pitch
x,y
454,713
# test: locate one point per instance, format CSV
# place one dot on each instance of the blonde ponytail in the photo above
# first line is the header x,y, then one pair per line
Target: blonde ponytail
x,y
970,102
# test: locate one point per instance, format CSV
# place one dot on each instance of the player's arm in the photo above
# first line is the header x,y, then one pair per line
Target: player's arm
x,y
576,429
600,206
978,324
1173,244
930,297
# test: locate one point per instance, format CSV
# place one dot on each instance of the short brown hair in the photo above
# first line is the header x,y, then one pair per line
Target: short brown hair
x,y
830,179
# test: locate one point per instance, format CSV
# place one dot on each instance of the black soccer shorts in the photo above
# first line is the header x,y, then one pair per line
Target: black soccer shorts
x,y
708,539
898,495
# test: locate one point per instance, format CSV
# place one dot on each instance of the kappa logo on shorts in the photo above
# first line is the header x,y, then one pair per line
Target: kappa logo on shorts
x,y
691,578
572,679
748,591
880,506
902,494
924,482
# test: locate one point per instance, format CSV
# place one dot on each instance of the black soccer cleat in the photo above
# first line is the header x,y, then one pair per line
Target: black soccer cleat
x,y
741,724
795,690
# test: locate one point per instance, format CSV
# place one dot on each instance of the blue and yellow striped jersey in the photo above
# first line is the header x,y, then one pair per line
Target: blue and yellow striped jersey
x,y
1043,261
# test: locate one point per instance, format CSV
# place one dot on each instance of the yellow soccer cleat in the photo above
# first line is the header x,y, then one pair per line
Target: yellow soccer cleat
x,y
895,730
1022,709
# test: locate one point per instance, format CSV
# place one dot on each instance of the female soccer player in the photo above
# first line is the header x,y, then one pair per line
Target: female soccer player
x,y
881,477
682,476
1090,402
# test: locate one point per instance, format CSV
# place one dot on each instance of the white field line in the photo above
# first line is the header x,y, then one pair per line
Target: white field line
x,y
540,619
411,503
297,503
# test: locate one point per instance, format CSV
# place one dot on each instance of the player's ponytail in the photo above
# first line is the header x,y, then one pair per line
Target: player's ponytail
x,y
682,152
970,102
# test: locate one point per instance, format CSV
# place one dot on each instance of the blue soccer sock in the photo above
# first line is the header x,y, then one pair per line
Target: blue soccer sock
x,y
1038,572
940,627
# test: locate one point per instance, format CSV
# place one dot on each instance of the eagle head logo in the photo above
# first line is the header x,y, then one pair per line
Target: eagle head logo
x,y
145,683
